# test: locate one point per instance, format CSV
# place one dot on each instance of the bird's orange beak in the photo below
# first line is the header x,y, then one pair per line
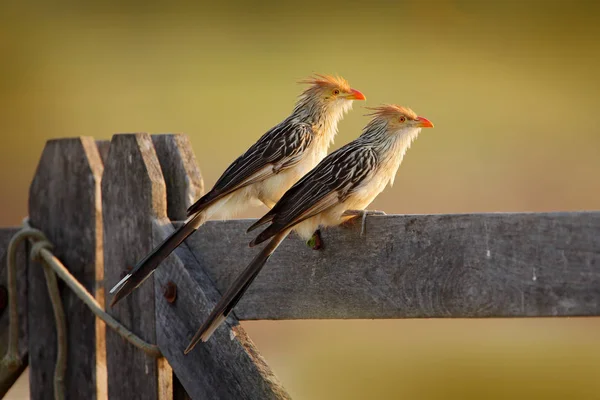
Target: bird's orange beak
x,y
424,123
356,95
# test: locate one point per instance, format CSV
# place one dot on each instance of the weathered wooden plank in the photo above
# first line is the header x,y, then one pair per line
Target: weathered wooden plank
x,y
410,266
227,367
133,192
64,202
8,377
184,186
230,367
181,172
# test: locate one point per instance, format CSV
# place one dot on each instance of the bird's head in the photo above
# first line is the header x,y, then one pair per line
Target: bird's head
x,y
397,119
330,93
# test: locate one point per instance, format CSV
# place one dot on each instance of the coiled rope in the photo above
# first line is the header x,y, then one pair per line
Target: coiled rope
x,y
41,251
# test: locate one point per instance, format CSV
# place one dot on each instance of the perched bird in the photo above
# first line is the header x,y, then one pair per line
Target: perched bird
x,y
336,190
265,171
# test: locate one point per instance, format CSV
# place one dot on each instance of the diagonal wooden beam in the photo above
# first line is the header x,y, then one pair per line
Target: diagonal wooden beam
x,y
418,266
229,366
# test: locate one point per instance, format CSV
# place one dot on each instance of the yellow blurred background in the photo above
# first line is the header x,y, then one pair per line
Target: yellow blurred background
x,y
512,87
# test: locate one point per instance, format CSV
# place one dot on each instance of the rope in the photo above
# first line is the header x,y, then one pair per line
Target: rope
x,y
41,251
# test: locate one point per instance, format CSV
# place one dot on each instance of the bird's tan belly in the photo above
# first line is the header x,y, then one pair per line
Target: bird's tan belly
x,y
364,195
359,200
274,187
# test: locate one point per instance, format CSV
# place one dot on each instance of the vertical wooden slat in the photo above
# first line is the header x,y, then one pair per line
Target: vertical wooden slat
x,y
64,202
229,366
181,172
184,186
8,377
133,194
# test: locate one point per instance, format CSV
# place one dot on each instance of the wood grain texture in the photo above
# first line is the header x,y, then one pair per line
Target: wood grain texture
x,y
64,202
229,367
418,266
184,185
8,377
181,172
133,193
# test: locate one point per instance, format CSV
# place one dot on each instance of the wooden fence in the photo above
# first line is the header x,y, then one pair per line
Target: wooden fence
x,y
104,206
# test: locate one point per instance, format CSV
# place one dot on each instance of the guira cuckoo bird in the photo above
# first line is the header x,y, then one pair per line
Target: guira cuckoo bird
x,y
339,188
265,171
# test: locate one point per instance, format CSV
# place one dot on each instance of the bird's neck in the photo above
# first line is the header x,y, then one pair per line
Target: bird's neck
x,y
323,119
390,147
401,141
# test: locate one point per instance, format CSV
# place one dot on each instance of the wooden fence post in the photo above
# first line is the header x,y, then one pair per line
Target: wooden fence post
x,y
229,366
181,173
133,194
64,202
184,186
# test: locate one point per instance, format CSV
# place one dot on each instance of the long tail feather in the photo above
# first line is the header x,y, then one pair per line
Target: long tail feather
x,y
148,265
264,220
235,293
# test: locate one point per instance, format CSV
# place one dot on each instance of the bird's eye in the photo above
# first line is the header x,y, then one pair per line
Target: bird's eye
x,y
336,92
402,119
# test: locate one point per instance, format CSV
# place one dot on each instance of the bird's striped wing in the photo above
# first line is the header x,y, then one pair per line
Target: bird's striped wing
x,y
328,184
280,148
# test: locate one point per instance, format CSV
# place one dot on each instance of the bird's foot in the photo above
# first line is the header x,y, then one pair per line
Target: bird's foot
x,y
315,242
355,214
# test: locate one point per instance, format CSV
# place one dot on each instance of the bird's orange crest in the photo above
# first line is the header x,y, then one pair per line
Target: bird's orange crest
x,y
388,110
328,80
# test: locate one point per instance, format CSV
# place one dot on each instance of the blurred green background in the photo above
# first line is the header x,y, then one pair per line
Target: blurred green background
x,y
512,87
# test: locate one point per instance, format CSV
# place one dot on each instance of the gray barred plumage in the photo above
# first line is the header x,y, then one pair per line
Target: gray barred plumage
x,y
345,181
281,147
265,171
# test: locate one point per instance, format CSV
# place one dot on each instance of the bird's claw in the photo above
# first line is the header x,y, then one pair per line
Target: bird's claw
x,y
315,242
363,215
